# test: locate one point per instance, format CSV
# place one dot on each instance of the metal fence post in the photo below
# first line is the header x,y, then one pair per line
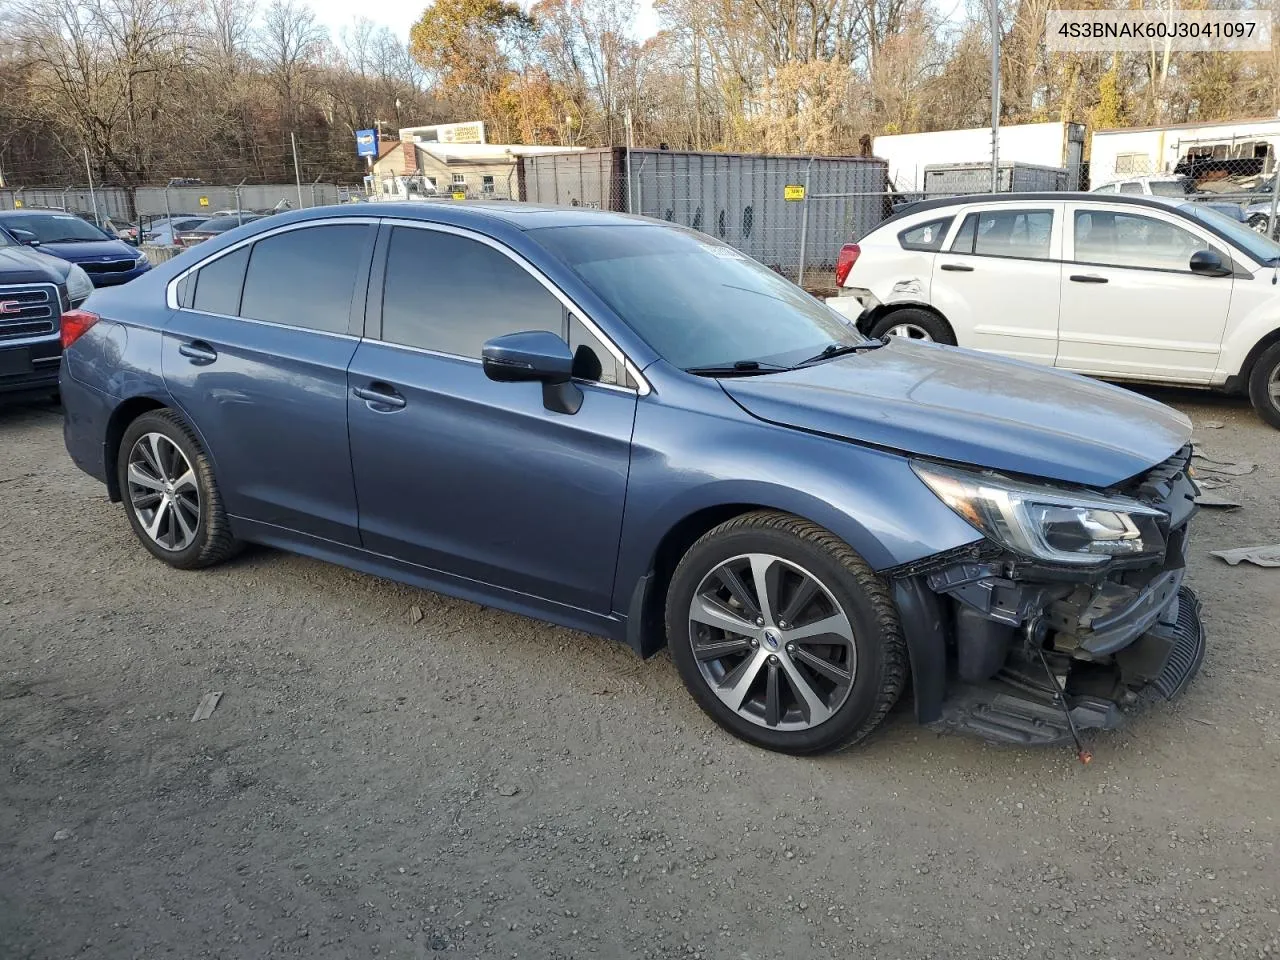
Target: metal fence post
x,y
239,213
1275,198
804,224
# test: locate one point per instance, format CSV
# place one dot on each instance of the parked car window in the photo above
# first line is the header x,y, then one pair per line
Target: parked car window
x,y
304,278
1006,233
449,293
58,227
218,285
1129,240
1171,188
926,236
1131,188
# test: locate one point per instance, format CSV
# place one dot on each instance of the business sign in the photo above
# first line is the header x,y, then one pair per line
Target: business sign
x,y
367,143
793,191
459,195
461,132
204,201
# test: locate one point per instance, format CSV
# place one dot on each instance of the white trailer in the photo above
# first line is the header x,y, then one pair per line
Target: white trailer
x,y
1040,144
1239,150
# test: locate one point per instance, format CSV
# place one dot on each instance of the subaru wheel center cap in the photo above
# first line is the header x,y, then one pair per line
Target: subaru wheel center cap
x,y
772,639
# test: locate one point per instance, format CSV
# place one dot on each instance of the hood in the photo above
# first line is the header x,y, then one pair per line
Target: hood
x,y
25,265
90,250
972,408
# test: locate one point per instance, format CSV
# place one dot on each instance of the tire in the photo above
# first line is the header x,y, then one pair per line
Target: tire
x,y
1264,385
170,496
918,324
1258,223
758,663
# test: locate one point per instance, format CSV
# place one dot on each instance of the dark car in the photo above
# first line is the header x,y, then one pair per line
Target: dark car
x,y
629,428
107,259
35,290
212,228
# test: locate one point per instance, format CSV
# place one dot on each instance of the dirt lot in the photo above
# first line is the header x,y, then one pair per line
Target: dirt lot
x,y
482,784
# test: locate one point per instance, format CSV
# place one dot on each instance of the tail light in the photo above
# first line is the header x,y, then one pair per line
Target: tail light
x,y
75,323
844,263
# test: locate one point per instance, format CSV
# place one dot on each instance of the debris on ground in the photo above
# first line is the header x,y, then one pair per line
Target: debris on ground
x,y
1217,503
415,614
1268,556
1226,467
1211,483
507,789
1212,424
63,835
208,703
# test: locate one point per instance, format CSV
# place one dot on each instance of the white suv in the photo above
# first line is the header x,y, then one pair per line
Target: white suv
x,y
1122,287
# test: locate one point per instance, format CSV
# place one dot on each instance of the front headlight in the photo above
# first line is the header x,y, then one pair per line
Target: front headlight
x,y
142,261
79,285
1045,523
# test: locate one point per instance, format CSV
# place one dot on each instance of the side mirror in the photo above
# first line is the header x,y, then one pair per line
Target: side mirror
x,y
1207,263
25,237
535,355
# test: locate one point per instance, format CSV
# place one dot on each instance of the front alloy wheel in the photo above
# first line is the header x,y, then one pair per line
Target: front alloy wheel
x,y
784,635
772,642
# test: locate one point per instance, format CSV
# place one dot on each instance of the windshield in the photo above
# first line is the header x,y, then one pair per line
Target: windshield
x,y
1259,247
694,300
57,228
1169,188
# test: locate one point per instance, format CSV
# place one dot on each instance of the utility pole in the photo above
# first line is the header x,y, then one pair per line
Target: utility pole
x,y
297,171
93,197
994,10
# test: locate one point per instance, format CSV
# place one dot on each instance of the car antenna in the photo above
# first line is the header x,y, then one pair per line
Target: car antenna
x,y
1086,757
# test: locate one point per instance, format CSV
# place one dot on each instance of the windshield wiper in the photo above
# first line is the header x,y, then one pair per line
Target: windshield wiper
x,y
742,368
840,349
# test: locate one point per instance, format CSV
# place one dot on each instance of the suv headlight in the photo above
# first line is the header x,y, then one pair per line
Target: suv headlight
x,y
79,285
1046,523
142,261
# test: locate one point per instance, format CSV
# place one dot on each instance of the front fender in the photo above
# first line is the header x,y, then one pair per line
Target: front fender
x,y
688,460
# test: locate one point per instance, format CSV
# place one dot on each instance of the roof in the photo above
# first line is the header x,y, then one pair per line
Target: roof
x,y
522,216
1194,125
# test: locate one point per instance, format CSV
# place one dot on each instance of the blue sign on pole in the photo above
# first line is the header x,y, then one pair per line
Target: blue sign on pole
x,y
367,143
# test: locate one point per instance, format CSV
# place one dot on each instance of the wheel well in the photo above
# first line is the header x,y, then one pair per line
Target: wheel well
x,y
673,546
121,417
1241,380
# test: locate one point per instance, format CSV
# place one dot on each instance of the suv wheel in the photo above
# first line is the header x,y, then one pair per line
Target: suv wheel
x,y
1259,223
784,635
170,497
1264,385
912,323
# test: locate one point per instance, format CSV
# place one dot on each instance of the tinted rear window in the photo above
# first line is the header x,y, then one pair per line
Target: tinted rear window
x,y
219,284
305,278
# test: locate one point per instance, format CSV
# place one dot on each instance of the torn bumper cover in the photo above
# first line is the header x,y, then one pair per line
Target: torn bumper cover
x,y
1109,635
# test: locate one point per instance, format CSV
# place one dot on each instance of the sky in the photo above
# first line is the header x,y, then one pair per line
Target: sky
x,y
400,15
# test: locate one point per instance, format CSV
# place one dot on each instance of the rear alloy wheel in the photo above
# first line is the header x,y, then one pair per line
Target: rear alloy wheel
x,y
911,323
169,494
1259,223
1264,385
784,635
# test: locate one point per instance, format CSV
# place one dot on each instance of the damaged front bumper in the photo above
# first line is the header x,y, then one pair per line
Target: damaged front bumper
x,y
1027,643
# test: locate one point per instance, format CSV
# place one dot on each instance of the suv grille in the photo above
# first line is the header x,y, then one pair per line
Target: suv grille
x,y
30,310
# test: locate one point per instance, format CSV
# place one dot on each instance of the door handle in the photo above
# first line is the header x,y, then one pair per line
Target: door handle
x,y
380,395
957,267
198,352
1088,278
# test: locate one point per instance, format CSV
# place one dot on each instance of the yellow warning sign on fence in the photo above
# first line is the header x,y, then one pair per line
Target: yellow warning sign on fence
x,y
204,201
793,191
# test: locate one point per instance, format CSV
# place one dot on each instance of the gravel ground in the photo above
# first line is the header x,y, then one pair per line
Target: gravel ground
x,y
478,783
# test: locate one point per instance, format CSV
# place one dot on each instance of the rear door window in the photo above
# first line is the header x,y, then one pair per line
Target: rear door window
x,y
306,277
1023,234
218,285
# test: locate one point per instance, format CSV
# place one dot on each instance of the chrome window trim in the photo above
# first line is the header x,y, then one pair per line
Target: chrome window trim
x,y
642,385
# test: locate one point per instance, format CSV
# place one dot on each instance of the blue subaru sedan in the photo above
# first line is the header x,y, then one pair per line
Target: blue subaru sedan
x,y
629,428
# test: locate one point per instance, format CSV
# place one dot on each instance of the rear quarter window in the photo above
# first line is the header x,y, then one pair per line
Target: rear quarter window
x,y
925,236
